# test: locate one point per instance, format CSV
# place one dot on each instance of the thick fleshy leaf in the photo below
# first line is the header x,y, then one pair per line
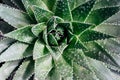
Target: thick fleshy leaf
x,y
7,68
63,10
41,15
37,29
79,27
42,67
52,40
39,49
16,51
57,51
5,43
25,71
50,4
64,69
29,3
14,17
54,75
91,35
22,34
81,12
100,15
110,29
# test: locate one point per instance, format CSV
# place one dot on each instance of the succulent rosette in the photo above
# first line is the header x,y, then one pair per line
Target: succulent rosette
x,y
61,40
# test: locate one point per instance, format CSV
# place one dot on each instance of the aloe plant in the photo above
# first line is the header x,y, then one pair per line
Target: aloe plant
x,y
61,40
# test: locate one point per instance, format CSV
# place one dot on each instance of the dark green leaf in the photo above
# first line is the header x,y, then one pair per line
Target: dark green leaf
x,y
91,35
63,10
52,39
50,4
79,27
81,12
100,15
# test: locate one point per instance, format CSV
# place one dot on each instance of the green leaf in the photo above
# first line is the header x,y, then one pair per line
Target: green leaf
x,y
41,14
54,75
91,35
38,3
100,15
16,51
7,68
37,29
76,56
22,34
80,27
25,71
81,12
57,51
52,39
5,43
42,67
39,49
110,29
50,4
64,69
29,3
63,10
14,17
